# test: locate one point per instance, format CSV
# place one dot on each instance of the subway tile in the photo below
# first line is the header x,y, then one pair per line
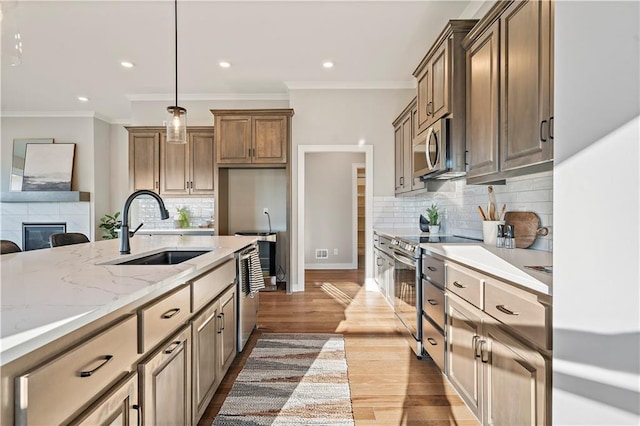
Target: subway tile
x,y
532,196
520,185
543,183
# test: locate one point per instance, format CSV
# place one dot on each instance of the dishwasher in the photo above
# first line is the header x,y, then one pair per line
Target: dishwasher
x,y
247,303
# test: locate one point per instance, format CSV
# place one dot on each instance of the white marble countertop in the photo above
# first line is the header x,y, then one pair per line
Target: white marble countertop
x,y
52,292
506,264
176,231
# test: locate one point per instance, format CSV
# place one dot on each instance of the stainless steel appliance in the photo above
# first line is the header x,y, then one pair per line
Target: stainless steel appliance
x,y
247,304
436,155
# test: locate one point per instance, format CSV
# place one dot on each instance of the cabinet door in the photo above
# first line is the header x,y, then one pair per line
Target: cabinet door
x,y
174,179
525,79
440,82
165,383
464,324
204,332
269,140
482,103
399,169
202,153
425,102
227,330
118,407
407,152
144,161
515,381
233,139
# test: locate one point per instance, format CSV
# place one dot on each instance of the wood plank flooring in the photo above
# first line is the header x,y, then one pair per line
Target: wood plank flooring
x,y
389,385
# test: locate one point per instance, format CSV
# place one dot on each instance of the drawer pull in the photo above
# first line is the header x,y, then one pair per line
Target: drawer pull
x,y
170,313
221,328
457,284
432,302
104,362
432,341
483,352
223,321
139,410
431,268
504,310
173,347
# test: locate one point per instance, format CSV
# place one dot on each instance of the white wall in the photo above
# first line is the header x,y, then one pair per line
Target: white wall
x,y
119,157
102,173
329,209
596,301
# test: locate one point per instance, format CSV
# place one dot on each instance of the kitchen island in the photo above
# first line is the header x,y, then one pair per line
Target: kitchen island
x,y
56,300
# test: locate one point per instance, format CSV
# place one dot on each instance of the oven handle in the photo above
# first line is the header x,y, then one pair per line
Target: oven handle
x,y
247,253
404,259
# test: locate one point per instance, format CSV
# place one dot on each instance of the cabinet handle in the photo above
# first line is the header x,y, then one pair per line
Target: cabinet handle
x,y
220,329
173,347
170,313
483,343
504,310
104,362
223,321
543,139
378,262
432,341
551,128
431,268
457,284
474,344
157,185
428,104
432,302
401,180
138,409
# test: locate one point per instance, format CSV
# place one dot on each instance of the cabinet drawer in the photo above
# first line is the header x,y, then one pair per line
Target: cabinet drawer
x,y
53,392
433,342
208,286
433,270
519,310
465,284
161,317
433,302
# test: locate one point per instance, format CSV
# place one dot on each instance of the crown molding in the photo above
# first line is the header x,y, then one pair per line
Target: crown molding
x,y
211,97
350,85
55,114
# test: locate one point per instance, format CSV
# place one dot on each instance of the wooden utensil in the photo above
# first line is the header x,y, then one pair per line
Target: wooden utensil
x,y
526,227
491,207
501,215
482,215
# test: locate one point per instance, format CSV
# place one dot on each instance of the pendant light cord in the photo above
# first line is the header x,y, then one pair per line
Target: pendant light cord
x,y
176,37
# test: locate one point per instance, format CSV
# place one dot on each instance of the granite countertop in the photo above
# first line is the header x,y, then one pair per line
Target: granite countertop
x,y
505,264
52,292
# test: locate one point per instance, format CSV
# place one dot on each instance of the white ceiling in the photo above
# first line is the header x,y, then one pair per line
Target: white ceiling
x,y
75,48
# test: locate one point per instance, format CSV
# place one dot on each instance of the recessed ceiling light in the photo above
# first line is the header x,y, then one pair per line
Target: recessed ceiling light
x,y
327,64
225,64
83,99
127,64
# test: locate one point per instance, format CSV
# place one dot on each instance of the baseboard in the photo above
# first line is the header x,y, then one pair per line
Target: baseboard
x,y
330,266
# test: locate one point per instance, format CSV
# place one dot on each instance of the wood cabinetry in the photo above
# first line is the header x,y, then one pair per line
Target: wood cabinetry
x,y
172,169
227,332
404,132
510,91
165,382
252,137
499,366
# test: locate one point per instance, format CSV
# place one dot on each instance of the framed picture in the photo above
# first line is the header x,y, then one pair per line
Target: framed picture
x,y
48,167
17,165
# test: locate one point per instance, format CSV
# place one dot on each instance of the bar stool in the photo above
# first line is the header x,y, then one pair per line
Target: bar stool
x,y
9,247
67,238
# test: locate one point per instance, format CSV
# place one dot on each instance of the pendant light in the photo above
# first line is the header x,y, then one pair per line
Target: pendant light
x,y
177,122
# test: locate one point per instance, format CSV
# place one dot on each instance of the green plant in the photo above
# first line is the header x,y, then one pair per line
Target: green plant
x,y
183,217
433,214
109,224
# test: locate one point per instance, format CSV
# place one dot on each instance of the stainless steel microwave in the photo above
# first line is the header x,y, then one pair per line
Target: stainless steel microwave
x,y
431,151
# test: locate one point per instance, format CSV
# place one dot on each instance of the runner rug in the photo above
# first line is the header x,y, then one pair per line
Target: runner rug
x,y
291,379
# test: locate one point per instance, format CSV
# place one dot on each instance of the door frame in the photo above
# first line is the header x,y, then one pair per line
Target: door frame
x,y
301,160
354,179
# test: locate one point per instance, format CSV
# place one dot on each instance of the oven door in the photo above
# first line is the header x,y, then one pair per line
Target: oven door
x,y
408,294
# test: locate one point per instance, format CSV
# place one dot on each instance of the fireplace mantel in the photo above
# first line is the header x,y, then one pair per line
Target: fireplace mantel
x,y
44,196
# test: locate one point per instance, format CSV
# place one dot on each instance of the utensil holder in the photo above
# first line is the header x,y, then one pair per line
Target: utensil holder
x,y
490,231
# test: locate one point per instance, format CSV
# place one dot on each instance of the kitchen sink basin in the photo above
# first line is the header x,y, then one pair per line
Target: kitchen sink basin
x,y
169,257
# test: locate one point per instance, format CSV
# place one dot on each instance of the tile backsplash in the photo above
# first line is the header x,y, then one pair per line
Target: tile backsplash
x,y
200,210
459,207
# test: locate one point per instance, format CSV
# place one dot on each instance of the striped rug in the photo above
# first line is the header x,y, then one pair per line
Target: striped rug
x,y
291,379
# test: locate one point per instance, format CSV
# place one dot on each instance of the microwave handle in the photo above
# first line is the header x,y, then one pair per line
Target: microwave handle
x,y
430,133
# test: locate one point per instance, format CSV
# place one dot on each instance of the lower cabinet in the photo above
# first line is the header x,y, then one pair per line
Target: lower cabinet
x,y
118,407
165,382
501,379
228,335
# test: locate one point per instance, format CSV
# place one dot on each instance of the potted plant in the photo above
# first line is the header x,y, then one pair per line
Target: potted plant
x,y
182,218
434,219
110,224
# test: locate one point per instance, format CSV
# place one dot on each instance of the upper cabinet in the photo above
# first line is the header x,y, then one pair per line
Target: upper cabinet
x,y
439,75
252,137
171,169
404,131
510,91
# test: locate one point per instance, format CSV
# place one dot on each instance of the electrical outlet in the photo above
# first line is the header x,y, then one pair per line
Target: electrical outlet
x,y
335,251
265,210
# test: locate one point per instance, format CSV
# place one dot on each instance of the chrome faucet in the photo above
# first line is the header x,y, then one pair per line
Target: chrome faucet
x,y
124,228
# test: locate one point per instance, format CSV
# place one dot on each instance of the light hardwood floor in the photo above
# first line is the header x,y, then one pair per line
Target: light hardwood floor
x,y
389,385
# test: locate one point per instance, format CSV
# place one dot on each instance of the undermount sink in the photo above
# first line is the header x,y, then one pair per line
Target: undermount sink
x,y
169,257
